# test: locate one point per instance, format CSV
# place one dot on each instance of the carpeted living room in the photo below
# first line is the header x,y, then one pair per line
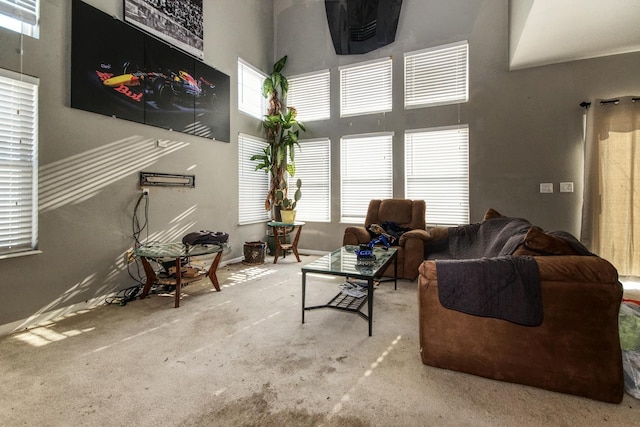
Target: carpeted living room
x,y
482,153
242,357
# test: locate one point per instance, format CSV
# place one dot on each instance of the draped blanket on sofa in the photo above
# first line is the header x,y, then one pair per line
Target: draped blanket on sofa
x,y
482,278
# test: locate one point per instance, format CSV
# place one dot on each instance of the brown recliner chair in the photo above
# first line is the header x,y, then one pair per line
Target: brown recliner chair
x,y
407,214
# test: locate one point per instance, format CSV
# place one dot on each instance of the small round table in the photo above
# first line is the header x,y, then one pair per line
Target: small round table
x,y
280,229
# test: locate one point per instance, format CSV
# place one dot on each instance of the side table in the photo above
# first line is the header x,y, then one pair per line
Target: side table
x,y
280,229
177,251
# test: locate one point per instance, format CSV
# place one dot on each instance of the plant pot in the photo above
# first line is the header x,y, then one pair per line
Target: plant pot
x,y
288,217
254,252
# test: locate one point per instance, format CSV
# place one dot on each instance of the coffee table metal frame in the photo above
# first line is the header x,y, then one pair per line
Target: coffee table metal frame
x,y
343,262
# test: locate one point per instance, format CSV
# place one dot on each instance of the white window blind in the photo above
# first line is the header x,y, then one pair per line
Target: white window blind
x,y
20,16
366,173
313,167
437,76
366,88
437,171
18,163
309,94
250,99
253,184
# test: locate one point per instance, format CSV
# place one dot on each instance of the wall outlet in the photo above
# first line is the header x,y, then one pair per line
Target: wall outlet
x,y
145,192
566,187
546,187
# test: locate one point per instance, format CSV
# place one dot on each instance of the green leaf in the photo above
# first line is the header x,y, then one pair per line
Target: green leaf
x,y
267,87
279,65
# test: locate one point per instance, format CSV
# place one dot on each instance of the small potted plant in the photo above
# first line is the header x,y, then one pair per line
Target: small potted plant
x,y
288,205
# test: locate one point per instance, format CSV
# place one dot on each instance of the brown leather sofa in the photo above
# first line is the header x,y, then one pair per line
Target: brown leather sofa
x,y
576,347
405,213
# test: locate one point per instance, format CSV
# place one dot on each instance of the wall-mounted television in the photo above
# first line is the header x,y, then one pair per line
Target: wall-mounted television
x,y
123,72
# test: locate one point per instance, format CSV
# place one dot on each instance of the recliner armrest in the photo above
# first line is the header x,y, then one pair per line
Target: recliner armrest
x,y
354,235
414,234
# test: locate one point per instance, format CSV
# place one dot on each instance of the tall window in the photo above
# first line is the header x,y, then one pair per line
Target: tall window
x,y
250,99
437,171
366,173
309,94
18,163
437,76
253,184
20,16
366,88
313,167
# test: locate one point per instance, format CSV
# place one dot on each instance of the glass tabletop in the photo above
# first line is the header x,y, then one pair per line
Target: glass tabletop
x,y
343,262
176,249
285,224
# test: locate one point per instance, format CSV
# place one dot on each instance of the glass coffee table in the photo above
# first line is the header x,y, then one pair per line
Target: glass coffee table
x,y
344,262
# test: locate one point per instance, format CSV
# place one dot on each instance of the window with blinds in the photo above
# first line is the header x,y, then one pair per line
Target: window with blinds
x,y
437,76
253,185
366,170
437,171
309,94
250,99
20,16
313,167
365,88
18,163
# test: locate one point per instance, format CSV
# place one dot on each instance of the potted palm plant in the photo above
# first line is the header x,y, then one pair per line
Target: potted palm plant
x,y
282,129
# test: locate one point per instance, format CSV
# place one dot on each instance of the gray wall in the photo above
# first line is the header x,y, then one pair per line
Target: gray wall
x,y
525,126
85,223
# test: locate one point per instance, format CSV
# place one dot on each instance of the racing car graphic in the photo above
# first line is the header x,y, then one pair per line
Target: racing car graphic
x,y
166,88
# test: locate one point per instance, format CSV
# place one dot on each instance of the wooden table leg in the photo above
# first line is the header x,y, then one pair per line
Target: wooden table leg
x,y
212,271
294,246
178,282
278,247
151,277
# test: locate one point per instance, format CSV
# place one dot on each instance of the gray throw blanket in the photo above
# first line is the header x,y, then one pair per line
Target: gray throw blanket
x,y
482,278
505,287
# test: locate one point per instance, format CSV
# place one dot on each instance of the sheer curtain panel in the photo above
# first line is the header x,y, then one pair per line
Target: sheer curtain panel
x,y
611,207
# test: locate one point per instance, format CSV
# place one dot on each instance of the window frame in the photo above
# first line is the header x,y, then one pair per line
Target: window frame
x,y
251,99
440,76
369,180
310,95
436,167
356,98
20,19
316,180
253,185
18,164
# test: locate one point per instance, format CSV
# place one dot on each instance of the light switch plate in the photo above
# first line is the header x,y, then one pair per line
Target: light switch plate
x,y
566,187
546,187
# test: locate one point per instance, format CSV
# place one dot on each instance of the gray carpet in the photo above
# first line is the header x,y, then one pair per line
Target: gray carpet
x,y
241,357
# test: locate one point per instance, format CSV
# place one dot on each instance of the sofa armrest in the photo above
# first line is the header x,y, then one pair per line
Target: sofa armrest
x,y
576,268
414,234
354,235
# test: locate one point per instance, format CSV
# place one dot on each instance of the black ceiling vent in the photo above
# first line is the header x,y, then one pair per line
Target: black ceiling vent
x,y
360,26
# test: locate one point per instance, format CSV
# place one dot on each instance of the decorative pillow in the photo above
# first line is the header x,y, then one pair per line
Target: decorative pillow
x,y
492,213
546,244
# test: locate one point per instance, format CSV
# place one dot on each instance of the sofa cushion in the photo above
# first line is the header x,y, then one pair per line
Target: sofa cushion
x,y
491,213
544,243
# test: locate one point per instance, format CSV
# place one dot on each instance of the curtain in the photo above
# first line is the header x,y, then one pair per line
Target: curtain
x,y
611,199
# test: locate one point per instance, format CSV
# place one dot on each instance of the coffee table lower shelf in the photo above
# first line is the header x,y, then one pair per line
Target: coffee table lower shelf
x,y
345,302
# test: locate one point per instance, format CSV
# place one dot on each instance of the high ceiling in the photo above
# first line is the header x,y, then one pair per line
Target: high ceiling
x,y
551,31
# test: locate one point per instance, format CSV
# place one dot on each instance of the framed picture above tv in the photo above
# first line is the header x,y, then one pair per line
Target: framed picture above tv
x,y
179,22
126,73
